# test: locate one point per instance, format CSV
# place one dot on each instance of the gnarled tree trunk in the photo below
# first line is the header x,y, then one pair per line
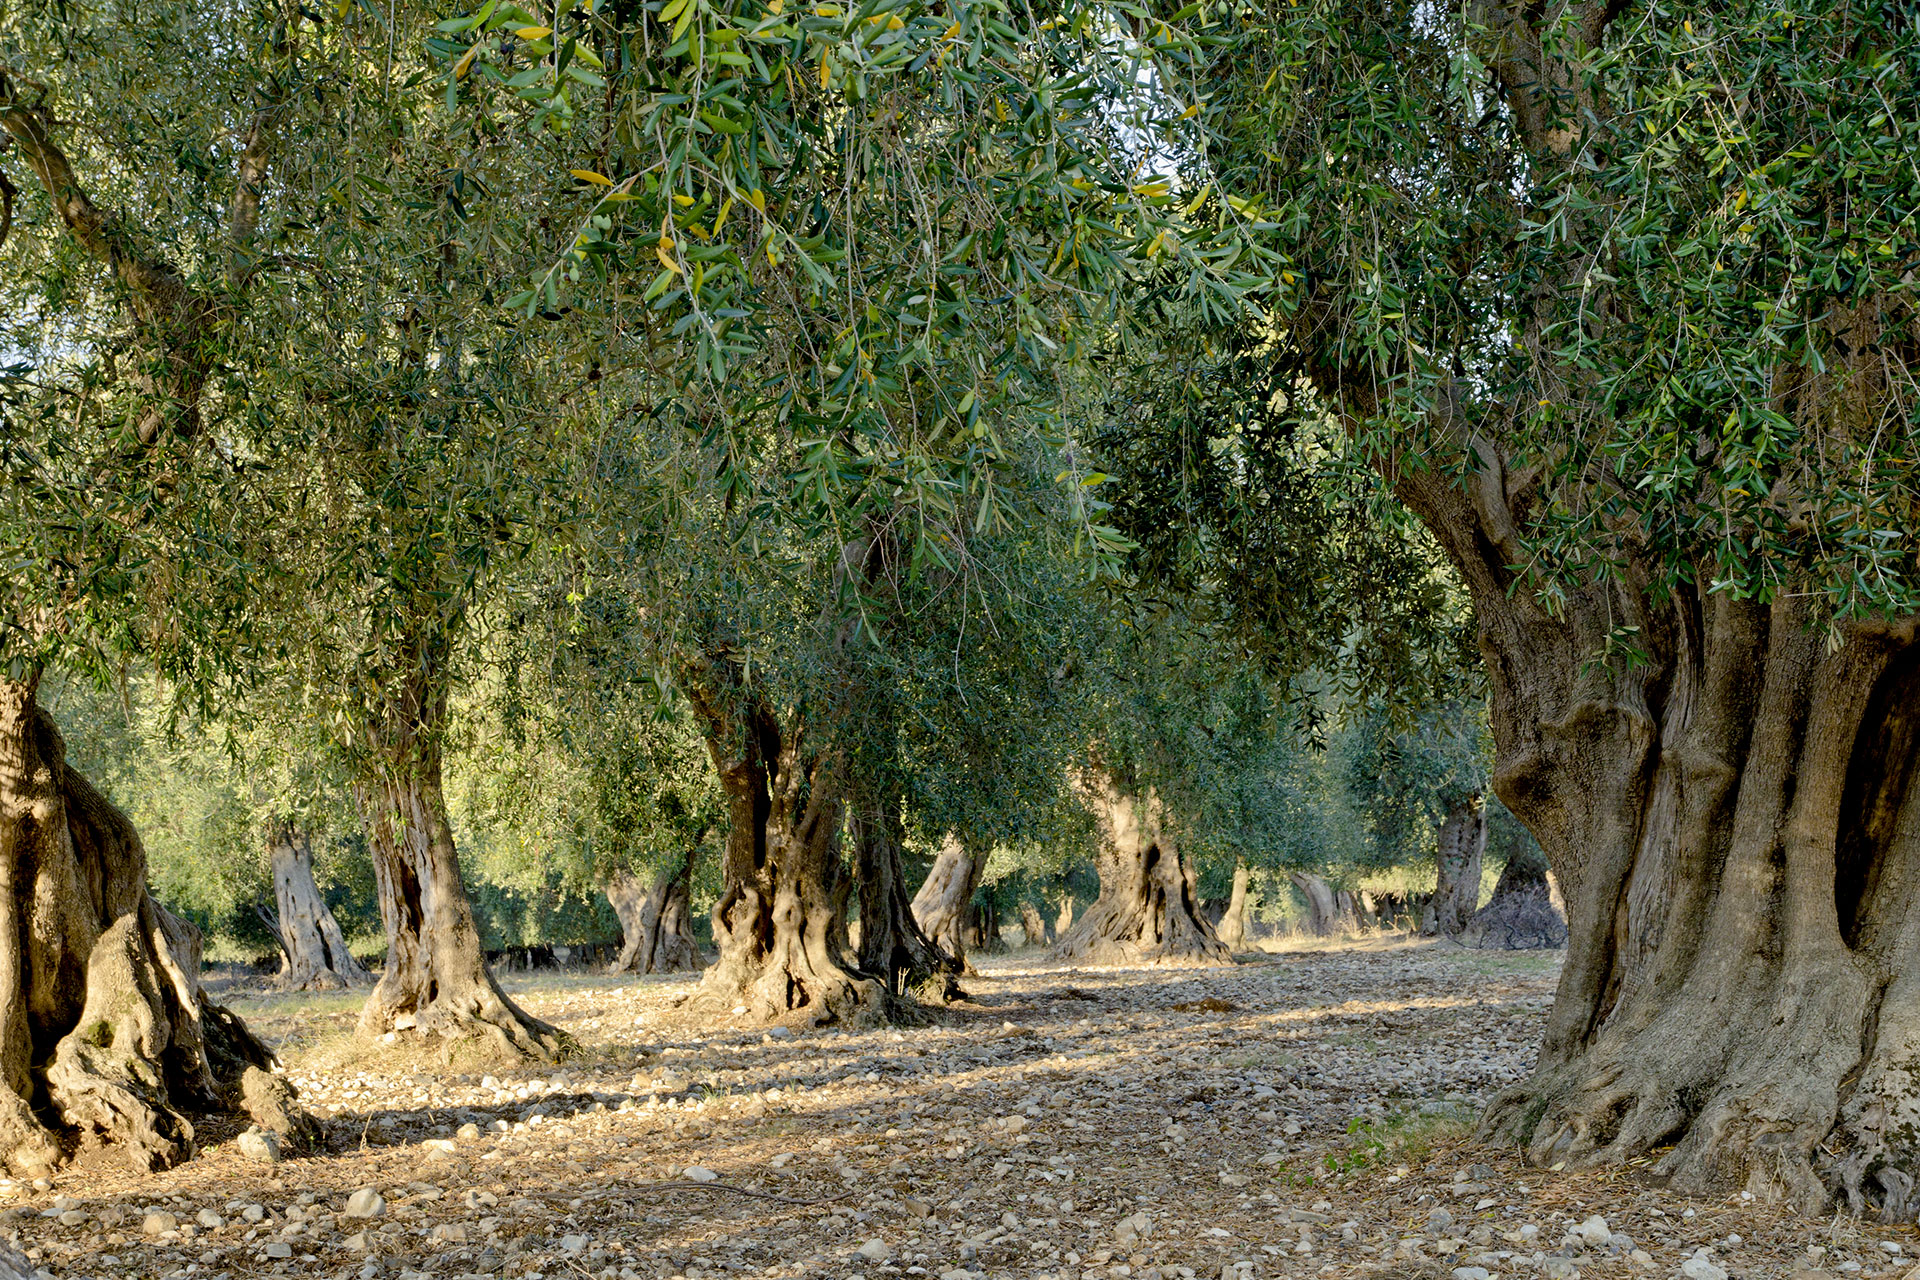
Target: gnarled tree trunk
x,y
656,920
1456,893
1148,911
436,981
1232,929
1733,821
1064,921
106,1038
781,921
945,900
314,955
891,939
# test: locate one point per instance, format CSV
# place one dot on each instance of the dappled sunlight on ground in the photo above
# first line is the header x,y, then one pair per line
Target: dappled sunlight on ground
x,y
1305,1113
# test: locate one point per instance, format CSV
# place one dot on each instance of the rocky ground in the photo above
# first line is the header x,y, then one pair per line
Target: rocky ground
x,y
1304,1114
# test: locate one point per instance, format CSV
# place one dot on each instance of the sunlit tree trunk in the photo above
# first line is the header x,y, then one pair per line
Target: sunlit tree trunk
x,y
656,920
1733,822
1148,911
945,900
436,981
1033,925
1232,929
315,955
105,1034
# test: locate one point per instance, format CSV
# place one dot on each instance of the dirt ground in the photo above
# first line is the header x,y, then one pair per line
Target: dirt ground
x,y
1302,1114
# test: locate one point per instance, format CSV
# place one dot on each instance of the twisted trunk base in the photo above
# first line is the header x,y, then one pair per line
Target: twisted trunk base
x,y
106,1038
314,955
781,921
1034,925
436,983
891,940
945,901
1741,856
1148,911
656,921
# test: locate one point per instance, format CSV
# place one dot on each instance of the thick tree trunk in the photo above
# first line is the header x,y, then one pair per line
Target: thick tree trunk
x,y
1064,921
945,900
656,920
314,955
781,921
1323,911
106,1038
1034,925
891,939
1733,821
1148,911
436,981
1456,894
1232,929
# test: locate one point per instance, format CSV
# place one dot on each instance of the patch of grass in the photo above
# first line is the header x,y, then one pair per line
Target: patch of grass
x,y
1523,963
1405,1138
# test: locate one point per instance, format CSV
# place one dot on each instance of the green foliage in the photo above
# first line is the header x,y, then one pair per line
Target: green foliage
x,y
1668,273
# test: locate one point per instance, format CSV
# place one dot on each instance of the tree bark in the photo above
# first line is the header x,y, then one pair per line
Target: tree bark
x,y
656,920
1456,893
891,939
436,981
106,1038
1064,921
1323,912
781,921
1732,822
1232,929
1148,911
1034,925
314,955
945,899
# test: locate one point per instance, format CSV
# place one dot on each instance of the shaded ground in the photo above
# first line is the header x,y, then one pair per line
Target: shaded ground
x,y
1301,1115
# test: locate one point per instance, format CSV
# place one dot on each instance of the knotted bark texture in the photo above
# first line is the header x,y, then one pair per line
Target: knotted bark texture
x,y
892,943
781,921
1456,894
656,920
1148,911
106,1038
436,982
1733,822
314,955
945,900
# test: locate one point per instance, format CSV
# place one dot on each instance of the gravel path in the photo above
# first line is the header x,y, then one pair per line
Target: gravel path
x,y
1308,1114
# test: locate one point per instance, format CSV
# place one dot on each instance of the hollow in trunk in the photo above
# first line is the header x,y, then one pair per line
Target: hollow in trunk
x,y
781,921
